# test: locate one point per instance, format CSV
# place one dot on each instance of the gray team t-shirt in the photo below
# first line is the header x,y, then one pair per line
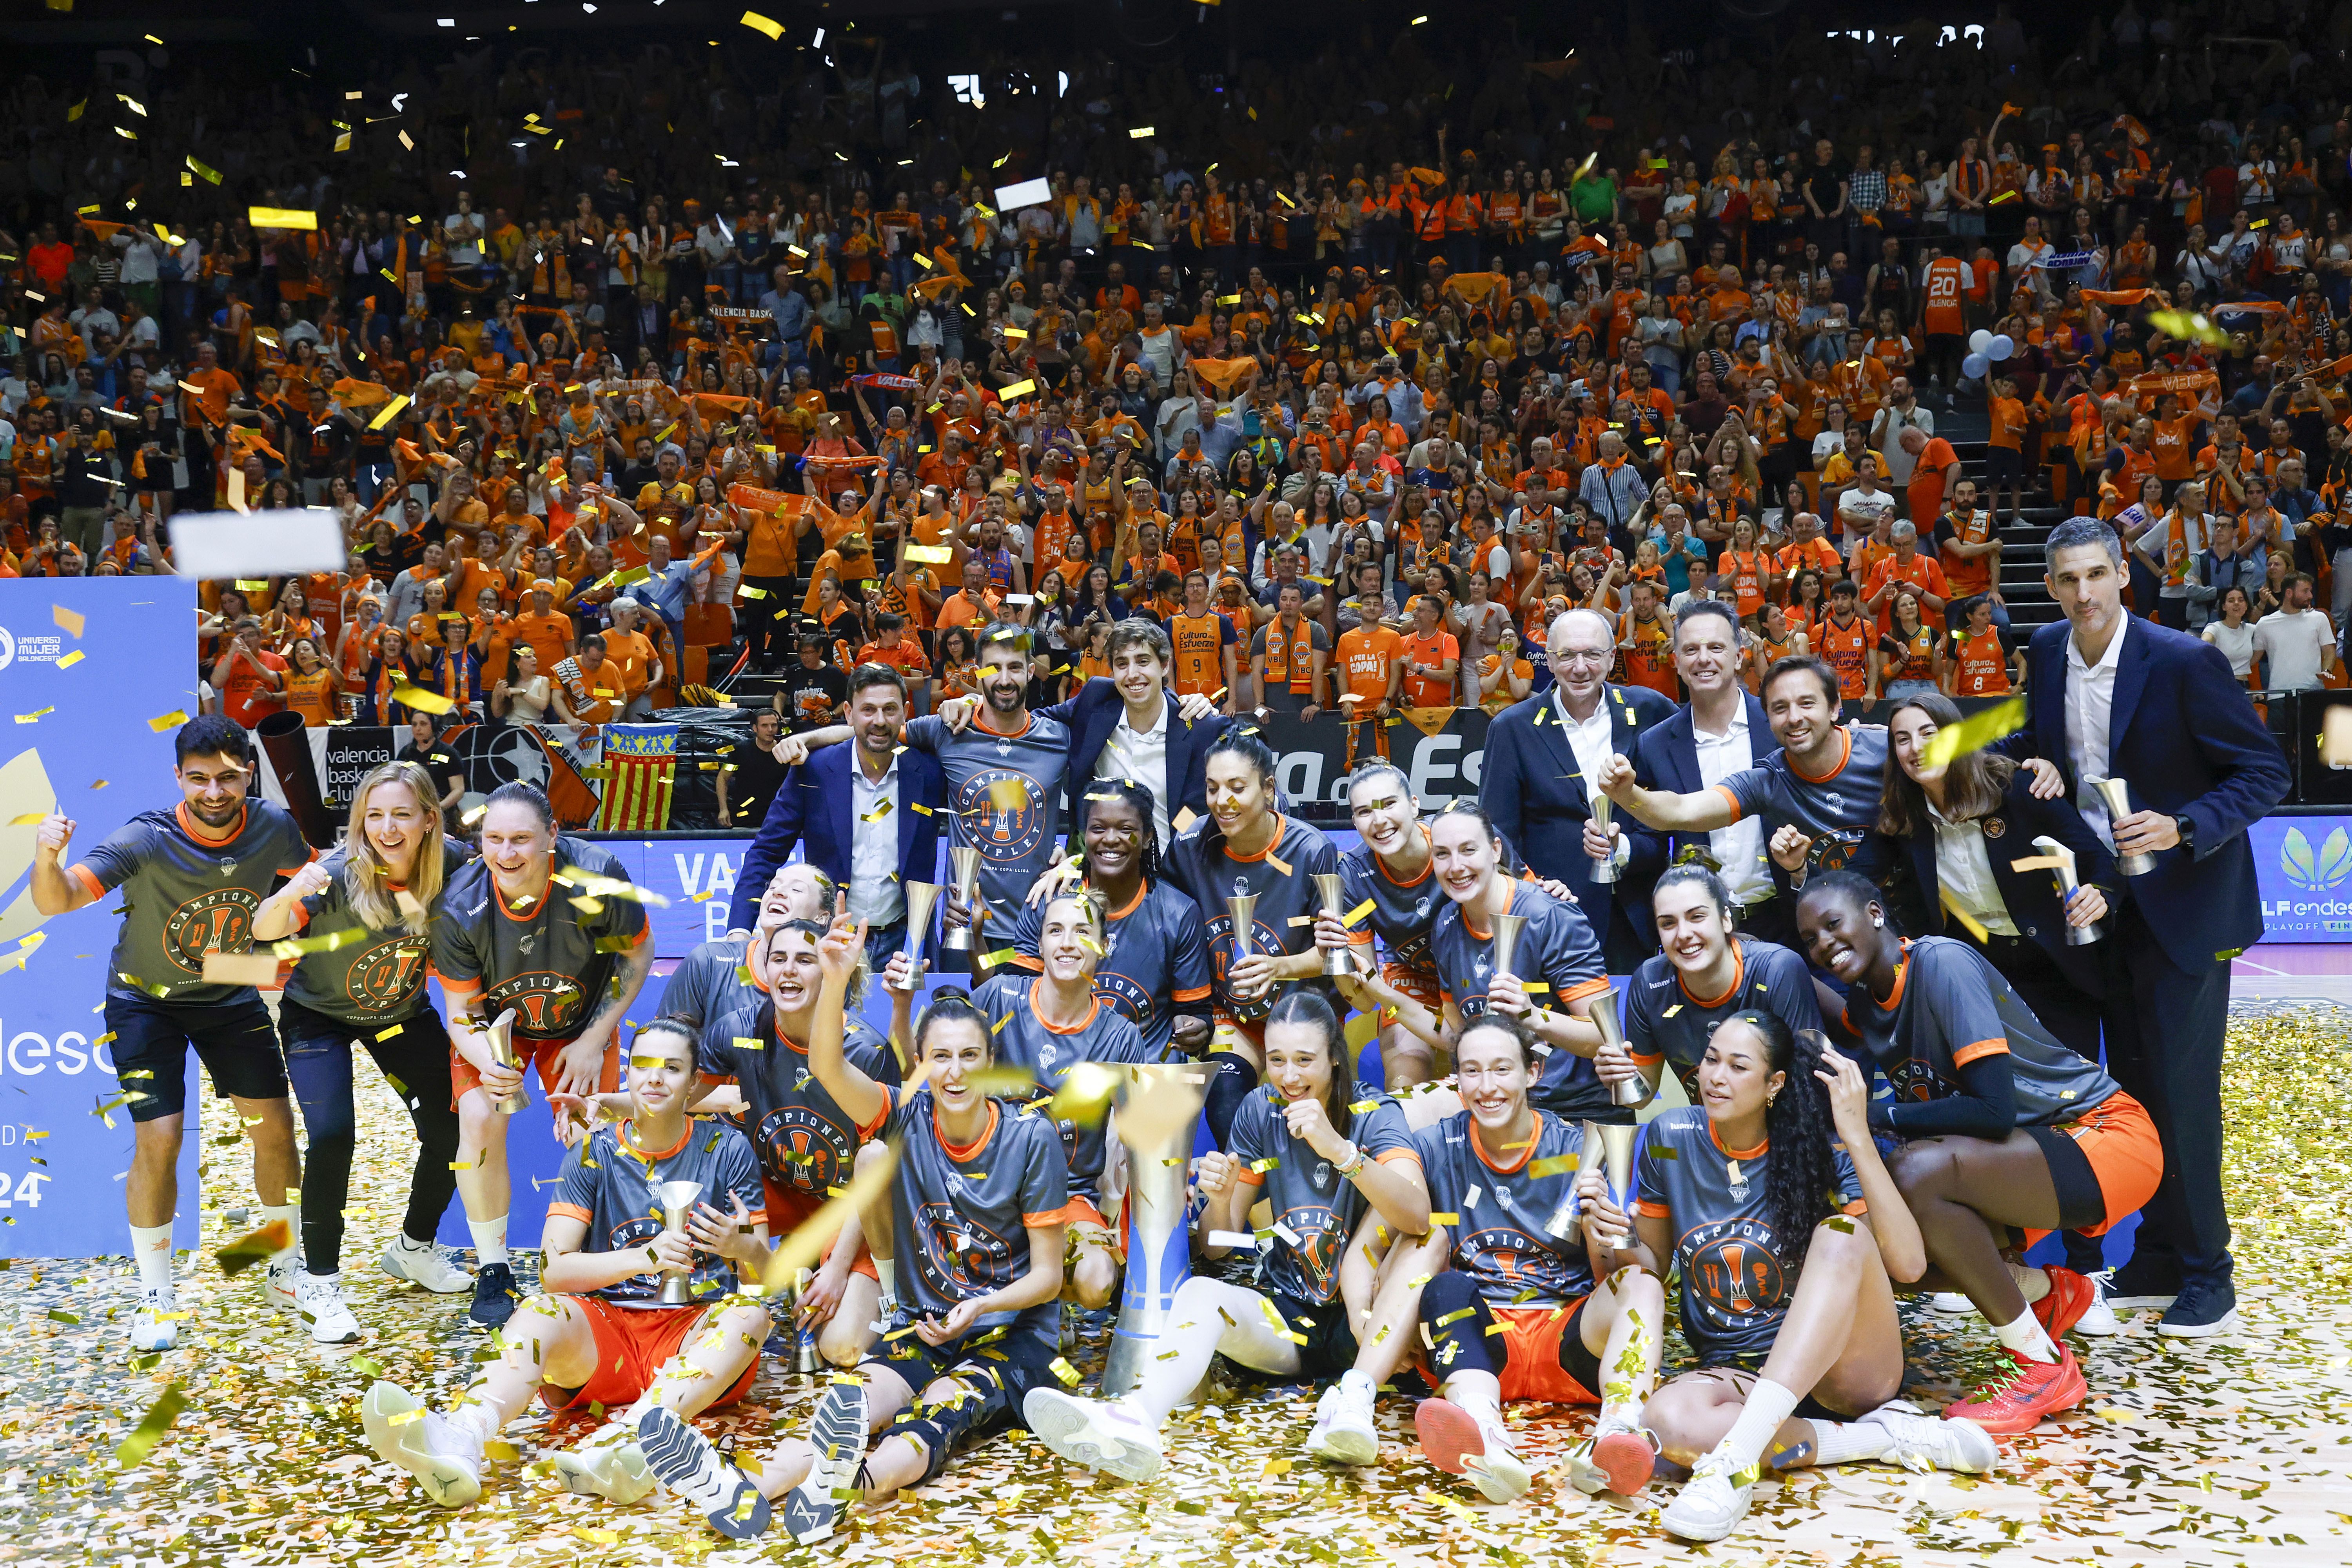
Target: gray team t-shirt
x,y
616,1190
1665,1021
1005,792
376,976
1318,1207
707,982
1503,1205
1837,811
1024,1040
183,896
550,960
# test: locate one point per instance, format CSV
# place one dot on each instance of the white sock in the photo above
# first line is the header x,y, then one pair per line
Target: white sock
x,y
1768,1404
1841,1442
151,1249
886,1269
1358,1382
2027,1337
2034,1283
292,1214
489,1238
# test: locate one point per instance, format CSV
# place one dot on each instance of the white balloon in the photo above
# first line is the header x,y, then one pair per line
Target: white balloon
x,y
2000,349
1974,367
1978,340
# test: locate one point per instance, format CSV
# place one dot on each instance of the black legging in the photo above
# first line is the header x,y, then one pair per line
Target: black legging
x,y
416,1061
768,621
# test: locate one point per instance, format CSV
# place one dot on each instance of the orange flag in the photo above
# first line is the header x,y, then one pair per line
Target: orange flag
x,y
358,394
2115,296
1475,285
1220,374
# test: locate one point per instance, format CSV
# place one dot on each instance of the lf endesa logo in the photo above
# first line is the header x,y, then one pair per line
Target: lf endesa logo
x,y
29,1055
2314,871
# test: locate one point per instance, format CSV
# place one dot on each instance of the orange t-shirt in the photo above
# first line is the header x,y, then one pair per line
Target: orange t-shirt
x,y
1984,667
1847,649
1427,690
2008,418
1946,280
1368,660
1200,644
544,635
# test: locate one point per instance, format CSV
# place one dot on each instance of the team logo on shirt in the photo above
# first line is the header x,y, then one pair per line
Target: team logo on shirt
x,y
1518,1258
386,975
961,1257
1914,1079
1318,1251
999,809
1833,847
1132,1002
550,1004
1734,1268
217,922
800,1150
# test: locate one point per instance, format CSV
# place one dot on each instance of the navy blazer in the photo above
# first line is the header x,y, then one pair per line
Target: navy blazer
x,y
1666,758
2031,897
811,809
2183,736
1095,712
1535,791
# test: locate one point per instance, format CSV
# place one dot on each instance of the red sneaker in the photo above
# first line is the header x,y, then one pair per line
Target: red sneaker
x,y
2070,1297
2031,1390
1448,1434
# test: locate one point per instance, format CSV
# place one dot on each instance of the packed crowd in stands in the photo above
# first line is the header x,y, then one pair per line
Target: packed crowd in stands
x,y
624,384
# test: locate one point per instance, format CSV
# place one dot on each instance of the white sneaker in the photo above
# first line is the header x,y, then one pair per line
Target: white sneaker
x,y
153,1326
1106,1434
1500,1475
425,1266
1919,1441
691,1469
1951,1301
2098,1320
322,1306
837,1433
281,1281
609,1465
445,1457
1343,1433
1710,1504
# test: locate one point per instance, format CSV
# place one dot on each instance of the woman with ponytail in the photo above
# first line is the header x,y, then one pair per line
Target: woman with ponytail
x,y
1771,1200
1336,1167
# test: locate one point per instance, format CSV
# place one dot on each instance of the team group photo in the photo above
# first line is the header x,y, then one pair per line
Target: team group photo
x,y
1290,788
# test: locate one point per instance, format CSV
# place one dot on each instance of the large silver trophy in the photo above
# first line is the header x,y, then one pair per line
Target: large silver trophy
x,y
922,898
501,1036
1603,1016
2068,881
966,887
1604,867
1506,943
1156,1122
678,1199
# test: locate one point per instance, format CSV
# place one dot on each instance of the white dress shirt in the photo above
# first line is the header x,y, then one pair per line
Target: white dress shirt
x,y
876,894
2090,706
1964,874
1592,741
1141,755
1739,848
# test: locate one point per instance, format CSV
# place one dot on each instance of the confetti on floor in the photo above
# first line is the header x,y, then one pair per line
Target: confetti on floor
x,y
2234,1451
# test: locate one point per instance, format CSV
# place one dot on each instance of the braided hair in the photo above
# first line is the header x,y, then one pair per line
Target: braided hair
x,y
1800,1183
1139,797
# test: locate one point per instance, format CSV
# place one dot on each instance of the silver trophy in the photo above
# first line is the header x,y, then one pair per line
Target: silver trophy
x,y
501,1036
678,1199
2118,801
1616,1142
1603,1017
1157,1123
1329,887
966,887
922,898
1506,943
2076,936
1241,909
1604,867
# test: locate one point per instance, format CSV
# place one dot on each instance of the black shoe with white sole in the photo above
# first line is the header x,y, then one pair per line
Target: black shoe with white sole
x,y
837,1433
687,1465
493,1296
2206,1306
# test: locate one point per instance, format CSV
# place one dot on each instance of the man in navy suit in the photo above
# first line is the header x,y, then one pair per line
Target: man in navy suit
x,y
1541,755
1721,732
2115,695
1128,726
867,815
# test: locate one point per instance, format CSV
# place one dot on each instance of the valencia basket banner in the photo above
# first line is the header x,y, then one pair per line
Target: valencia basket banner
x,y
640,773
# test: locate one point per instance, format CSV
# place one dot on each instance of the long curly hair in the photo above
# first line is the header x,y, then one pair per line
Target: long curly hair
x,y
1800,1185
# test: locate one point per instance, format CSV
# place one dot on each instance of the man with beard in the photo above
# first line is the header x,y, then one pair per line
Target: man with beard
x,y
192,877
1003,777
868,817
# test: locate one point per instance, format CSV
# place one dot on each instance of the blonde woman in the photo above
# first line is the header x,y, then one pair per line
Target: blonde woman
x,y
379,893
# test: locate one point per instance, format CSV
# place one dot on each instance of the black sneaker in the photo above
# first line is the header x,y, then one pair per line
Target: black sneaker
x,y
2207,1305
2149,1279
693,1470
493,1296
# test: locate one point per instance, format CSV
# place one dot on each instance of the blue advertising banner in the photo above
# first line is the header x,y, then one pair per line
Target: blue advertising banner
x,y
2303,865
79,678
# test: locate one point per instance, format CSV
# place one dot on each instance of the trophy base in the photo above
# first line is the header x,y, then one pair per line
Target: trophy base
x,y
2135,865
1602,873
514,1104
2082,936
958,941
674,1291
1337,964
